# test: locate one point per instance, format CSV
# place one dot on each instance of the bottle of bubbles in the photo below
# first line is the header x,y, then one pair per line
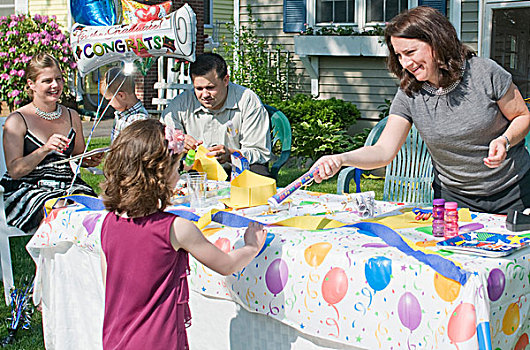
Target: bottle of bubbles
x,y
451,220
438,223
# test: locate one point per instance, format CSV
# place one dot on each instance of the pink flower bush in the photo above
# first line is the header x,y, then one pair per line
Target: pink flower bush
x,y
24,37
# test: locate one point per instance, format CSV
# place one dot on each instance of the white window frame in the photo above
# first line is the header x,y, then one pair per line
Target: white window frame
x,y
486,22
360,15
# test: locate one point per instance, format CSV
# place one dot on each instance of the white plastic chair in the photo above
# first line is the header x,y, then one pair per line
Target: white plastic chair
x,y
5,230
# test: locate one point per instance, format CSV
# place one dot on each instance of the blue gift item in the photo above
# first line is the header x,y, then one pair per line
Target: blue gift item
x,y
239,164
422,214
486,244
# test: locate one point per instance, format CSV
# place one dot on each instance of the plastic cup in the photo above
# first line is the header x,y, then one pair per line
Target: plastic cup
x,y
196,189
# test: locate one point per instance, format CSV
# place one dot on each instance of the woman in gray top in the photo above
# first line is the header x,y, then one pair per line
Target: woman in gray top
x,y
471,116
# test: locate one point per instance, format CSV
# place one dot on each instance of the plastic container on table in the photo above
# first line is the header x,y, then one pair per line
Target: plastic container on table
x,y
451,220
438,223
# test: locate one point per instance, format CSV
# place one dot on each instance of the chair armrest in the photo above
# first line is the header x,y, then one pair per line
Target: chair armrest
x,y
345,177
284,156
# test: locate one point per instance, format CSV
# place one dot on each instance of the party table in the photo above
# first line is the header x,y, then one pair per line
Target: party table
x,y
326,279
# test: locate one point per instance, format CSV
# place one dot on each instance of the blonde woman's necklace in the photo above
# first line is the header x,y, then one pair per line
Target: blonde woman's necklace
x,y
49,115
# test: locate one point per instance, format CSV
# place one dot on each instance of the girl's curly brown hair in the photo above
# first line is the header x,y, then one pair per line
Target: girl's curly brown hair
x,y
137,170
430,26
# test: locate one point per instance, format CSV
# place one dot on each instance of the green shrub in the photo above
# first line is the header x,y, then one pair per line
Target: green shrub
x,y
302,107
319,127
22,37
265,69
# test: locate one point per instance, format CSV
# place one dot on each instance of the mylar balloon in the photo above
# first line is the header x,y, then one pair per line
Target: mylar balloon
x,y
276,276
446,288
314,254
409,311
510,321
134,12
463,323
378,271
334,285
496,281
94,12
173,35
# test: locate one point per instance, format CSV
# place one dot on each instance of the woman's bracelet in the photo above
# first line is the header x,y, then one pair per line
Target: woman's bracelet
x,y
507,142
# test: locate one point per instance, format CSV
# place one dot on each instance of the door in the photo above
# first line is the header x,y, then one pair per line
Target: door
x,y
510,44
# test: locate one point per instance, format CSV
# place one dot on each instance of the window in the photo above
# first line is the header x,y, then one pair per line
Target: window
x,y
510,42
208,13
383,11
336,11
350,11
359,13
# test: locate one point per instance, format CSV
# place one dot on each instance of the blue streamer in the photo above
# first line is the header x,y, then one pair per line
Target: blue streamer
x,y
441,265
188,215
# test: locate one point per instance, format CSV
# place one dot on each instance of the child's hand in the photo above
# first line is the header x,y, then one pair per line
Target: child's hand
x,y
255,235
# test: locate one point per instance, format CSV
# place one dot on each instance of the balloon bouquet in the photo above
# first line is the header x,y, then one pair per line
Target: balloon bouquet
x,y
147,33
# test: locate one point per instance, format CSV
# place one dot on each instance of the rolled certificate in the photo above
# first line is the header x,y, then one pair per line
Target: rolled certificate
x,y
305,179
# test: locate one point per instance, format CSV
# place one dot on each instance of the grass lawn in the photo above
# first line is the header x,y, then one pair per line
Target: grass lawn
x,y
23,265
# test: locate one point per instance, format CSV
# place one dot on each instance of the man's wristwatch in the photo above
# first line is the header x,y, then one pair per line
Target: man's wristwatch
x,y
507,142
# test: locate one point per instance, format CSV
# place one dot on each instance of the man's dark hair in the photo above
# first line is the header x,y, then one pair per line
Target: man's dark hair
x,y
207,62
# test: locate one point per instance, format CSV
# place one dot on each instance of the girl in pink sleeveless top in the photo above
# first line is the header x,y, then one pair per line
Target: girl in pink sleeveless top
x,y
145,250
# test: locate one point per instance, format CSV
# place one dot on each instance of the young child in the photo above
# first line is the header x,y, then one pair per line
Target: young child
x,y
128,107
145,250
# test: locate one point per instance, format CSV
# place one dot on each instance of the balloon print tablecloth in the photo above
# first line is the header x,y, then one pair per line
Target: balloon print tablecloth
x,y
350,284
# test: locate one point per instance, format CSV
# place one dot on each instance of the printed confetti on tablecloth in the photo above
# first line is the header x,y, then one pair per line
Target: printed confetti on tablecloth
x,y
348,286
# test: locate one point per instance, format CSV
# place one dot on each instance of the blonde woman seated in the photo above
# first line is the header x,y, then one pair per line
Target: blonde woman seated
x,y
35,136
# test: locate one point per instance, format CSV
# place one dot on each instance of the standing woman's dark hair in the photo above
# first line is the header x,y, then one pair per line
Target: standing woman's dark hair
x,y
430,26
36,65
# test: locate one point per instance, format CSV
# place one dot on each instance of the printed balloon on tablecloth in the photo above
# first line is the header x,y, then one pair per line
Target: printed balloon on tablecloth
x,y
462,324
446,288
409,311
134,12
334,285
378,271
276,276
89,222
522,343
314,254
223,244
510,321
94,12
173,36
496,281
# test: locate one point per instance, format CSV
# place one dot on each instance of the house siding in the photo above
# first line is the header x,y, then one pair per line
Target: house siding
x,y
223,12
470,15
57,8
363,81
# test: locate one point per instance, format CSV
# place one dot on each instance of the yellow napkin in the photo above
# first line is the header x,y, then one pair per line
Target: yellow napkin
x,y
209,165
249,190
310,223
408,219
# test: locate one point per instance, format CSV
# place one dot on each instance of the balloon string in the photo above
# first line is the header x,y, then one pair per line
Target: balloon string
x,y
408,343
94,125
